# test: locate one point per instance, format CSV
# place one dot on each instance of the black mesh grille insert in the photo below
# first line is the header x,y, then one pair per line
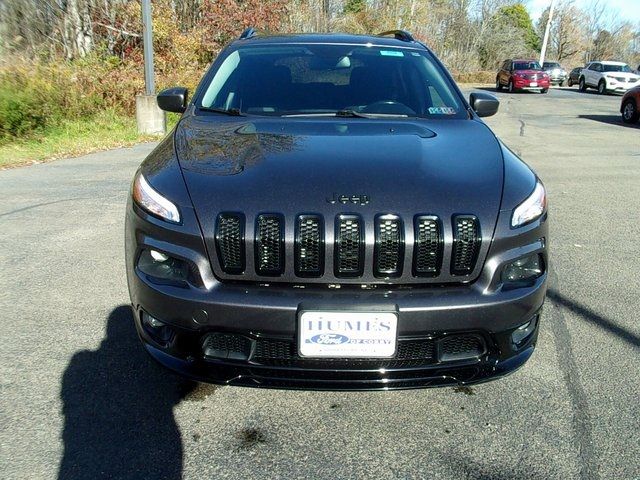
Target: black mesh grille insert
x,y
230,242
269,246
226,346
389,247
283,353
463,346
427,254
466,244
349,247
309,250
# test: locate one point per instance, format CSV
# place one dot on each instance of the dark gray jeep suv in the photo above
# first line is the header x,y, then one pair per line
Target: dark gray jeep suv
x,y
331,213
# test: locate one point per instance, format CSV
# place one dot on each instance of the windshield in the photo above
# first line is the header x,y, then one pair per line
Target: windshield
x,y
551,65
344,80
616,68
526,66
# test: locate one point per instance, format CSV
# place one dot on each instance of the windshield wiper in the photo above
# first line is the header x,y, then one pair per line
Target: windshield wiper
x,y
354,114
351,113
234,112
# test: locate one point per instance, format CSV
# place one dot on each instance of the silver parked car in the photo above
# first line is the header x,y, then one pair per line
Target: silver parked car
x,y
556,73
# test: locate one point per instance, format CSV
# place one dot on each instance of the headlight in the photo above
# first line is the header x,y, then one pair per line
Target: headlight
x,y
532,208
151,201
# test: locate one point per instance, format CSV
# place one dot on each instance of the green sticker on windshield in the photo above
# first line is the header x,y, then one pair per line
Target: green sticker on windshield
x,y
391,53
442,111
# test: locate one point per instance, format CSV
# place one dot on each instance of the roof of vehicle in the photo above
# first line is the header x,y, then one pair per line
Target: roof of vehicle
x,y
524,60
331,38
608,62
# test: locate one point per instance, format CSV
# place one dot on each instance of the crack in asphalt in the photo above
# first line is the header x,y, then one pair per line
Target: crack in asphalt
x,y
37,205
581,420
522,125
44,204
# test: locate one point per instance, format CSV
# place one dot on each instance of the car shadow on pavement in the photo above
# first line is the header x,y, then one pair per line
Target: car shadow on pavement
x,y
592,317
118,409
610,119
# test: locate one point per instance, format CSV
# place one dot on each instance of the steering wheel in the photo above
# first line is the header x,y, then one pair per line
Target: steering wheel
x,y
389,107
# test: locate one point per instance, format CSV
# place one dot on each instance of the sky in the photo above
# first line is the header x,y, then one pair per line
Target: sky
x,y
627,9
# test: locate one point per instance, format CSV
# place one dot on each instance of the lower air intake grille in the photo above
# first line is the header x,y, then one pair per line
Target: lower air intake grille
x,y
389,247
427,255
349,247
459,347
226,346
269,246
309,250
230,242
466,244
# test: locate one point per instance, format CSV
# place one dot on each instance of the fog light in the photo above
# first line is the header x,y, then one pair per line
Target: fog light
x,y
153,322
158,256
162,266
523,332
159,331
523,269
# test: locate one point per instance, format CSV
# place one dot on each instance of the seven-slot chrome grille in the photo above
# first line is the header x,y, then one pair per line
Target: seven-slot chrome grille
x,y
414,248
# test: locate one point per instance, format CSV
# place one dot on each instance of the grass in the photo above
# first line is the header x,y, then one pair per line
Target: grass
x,y
74,137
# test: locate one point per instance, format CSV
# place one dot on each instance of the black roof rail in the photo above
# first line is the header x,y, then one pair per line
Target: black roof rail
x,y
248,33
398,34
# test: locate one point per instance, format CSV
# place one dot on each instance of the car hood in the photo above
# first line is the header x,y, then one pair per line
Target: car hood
x,y
296,165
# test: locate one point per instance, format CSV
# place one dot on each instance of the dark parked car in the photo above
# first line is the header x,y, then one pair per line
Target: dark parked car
x,y
574,76
522,75
557,74
331,213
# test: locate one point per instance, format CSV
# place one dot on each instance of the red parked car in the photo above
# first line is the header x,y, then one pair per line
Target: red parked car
x,y
630,105
522,74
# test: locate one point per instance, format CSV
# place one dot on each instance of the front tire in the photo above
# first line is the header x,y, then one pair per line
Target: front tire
x,y
569,83
582,86
630,113
498,85
561,84
512,89
544,90
602,87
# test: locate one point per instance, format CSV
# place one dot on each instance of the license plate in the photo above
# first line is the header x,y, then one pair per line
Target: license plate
x,y
533,84
347,334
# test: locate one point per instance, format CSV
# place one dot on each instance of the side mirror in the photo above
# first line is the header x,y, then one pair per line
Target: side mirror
x,y
173,99
484,104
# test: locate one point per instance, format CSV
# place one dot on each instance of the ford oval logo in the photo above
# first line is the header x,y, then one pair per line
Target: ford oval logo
x,y
329,339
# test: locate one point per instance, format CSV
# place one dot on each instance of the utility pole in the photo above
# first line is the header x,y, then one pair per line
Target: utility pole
x,y
545,41
147,43
151,120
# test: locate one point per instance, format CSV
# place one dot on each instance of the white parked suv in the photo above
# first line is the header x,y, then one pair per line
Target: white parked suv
x,y
608,77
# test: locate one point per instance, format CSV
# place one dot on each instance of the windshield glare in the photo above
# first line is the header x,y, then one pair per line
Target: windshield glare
x,y
526,66
616,68
314,79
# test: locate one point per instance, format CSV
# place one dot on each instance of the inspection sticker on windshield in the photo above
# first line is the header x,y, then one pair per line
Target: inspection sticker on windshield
x,y
348,334
442,110
391,53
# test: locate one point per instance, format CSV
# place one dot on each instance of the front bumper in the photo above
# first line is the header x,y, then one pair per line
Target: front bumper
x,y
532,85
260,313
557,78
620,87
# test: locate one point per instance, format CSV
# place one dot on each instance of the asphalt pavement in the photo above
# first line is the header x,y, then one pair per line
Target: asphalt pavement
x,y
80,399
